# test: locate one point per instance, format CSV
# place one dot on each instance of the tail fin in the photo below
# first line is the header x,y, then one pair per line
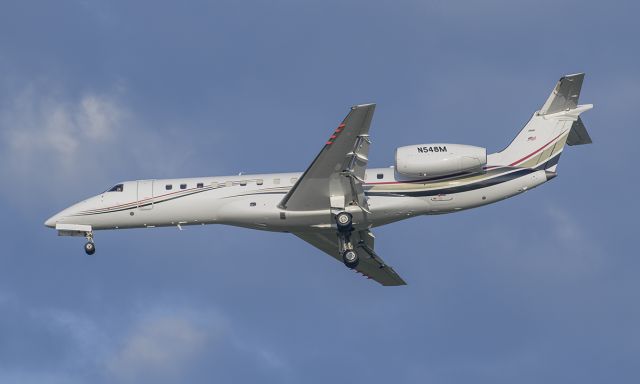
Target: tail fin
x,y
557,123
565,95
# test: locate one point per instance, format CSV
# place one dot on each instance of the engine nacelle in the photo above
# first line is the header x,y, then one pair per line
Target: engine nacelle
x,y
434,160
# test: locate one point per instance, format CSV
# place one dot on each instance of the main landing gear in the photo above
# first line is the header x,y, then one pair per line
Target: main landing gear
x,y
89,247
350,258
344,222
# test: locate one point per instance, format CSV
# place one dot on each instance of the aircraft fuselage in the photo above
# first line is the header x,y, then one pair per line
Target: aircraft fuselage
x,y
252,200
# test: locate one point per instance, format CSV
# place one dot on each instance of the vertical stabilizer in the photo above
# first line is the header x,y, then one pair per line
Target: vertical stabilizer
x,y
541,141
565,95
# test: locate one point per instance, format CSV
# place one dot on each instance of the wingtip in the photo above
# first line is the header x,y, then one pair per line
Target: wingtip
x,y
363,105
572,75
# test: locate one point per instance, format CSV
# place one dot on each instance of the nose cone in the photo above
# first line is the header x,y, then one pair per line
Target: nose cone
x,y
51,222
69,214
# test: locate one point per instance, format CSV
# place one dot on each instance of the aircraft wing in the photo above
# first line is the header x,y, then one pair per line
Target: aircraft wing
x,y
334,179
371,265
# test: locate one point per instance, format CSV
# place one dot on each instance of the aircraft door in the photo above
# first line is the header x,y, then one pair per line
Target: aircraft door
x,y
145,194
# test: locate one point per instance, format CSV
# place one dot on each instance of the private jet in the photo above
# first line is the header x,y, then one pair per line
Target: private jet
x,y
336,202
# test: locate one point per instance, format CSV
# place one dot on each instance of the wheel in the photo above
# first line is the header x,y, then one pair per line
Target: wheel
x,y
90,248
344,221
350,258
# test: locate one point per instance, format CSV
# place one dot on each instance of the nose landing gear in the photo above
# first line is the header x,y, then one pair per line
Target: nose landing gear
x,y
89,247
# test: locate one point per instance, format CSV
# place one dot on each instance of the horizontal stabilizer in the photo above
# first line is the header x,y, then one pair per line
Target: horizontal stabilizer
x,y
578,134
565,95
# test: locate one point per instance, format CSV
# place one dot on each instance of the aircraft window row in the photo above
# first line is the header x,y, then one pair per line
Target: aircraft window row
x,y
214,184
241,183
169,187
116,188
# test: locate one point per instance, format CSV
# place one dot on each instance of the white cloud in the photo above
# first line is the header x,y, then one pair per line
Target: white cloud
x,y
163,345
155,343
99,116
49,138
576,252
168,343
86,335
263,355
84,142
565,229
554,246
40,123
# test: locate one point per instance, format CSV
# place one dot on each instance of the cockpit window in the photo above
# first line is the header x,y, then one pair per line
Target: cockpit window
x,y
116,188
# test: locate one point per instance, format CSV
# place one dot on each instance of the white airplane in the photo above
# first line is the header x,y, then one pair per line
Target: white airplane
x,y
334,204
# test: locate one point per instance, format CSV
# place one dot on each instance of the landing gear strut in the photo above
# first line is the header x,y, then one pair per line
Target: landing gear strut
x,y
344,222
90,247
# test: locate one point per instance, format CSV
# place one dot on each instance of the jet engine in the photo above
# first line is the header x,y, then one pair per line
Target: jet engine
x,y
435,160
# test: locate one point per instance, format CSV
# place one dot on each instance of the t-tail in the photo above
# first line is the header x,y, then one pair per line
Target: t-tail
x,y
541,141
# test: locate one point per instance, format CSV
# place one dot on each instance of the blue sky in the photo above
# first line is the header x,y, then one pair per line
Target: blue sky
x,y
540,288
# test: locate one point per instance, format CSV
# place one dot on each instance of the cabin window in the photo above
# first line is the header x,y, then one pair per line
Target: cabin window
x,y
252,204
379,176
168,187
276,181
243,183
116,188
183,186
214,184
293,180
200,185
259,181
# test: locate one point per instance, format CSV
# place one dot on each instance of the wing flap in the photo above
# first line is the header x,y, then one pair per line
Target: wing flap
x,y
371,265
339,168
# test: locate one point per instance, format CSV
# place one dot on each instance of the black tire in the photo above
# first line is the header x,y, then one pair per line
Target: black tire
x,y
350,258
344,221
90,248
